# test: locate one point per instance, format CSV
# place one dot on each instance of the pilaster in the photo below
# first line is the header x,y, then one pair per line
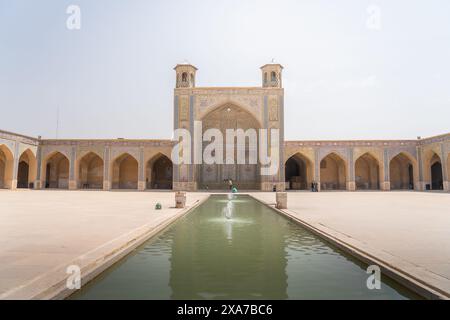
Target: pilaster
x,y
72,165
106,166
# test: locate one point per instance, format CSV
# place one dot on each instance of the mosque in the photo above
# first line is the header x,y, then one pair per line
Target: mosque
x,y
36,163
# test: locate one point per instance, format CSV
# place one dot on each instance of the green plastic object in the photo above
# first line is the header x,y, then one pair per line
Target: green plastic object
x,y
234,190
158,206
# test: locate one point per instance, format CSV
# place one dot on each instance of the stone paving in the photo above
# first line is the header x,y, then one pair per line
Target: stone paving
x,y
43,230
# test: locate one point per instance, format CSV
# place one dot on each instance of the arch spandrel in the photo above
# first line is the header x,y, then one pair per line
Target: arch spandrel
x,y
116,152
429,150
252,106
153,154
377,153
25,147
82,152
9,145
49,151
406,153
308,154
238,118
341,152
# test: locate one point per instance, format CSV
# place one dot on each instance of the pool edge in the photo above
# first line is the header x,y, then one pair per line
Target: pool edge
x,y
58,290
412,283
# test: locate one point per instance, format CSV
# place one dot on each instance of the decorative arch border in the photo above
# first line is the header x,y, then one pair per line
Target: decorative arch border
x,y
84,152
48,153
117,152
117,155
413,161
339,152
230,102
33,164
46,156
8,149
9,145
427,155
79,157
375,155
300,152
155,155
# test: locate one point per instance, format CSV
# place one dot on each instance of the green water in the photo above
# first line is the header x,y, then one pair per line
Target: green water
x,y
257,254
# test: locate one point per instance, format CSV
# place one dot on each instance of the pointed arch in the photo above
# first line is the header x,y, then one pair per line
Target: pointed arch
x,y
244,176
403,172
448,171
298,172
333,172
90,168
273,76
56,171
210,110
124,172
437,180
433,173
367,172
6,167
27,169
159,172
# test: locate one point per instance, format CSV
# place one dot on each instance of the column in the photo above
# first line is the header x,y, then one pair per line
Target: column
x,y
38,183
351,184
106,166
72,178
141,169
317,168
281,178
266,185
422,183
386,184
176,168
15,166
445,173
192,180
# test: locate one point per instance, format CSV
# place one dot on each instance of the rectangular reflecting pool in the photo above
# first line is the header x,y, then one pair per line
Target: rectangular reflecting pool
x,y
237,249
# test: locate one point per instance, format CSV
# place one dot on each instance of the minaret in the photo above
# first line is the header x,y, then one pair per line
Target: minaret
x,y
185,75
271,75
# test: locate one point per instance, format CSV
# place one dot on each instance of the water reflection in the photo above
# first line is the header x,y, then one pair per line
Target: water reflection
x,y
206,262
250,253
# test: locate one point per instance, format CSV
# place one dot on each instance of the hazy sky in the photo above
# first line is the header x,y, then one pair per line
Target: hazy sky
x,y
353,69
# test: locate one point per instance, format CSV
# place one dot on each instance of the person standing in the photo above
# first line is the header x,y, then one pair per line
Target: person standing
x,y
230,184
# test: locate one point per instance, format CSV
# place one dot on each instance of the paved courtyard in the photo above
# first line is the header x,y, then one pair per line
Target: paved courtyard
x,y
41,232
409,230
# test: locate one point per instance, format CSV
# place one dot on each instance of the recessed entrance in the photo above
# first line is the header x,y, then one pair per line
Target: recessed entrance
x,y
367,173
159,173
333,173
6,167
125,172
215,175
298,173
57,172
26,173
90,172
437,181
401,173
